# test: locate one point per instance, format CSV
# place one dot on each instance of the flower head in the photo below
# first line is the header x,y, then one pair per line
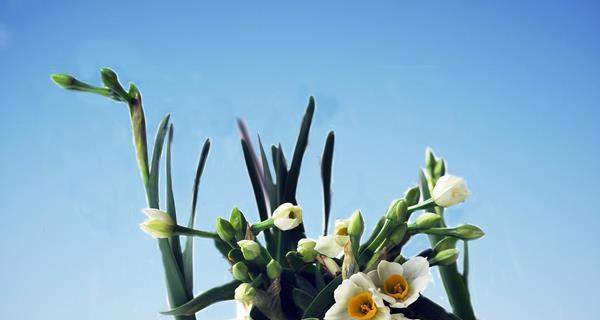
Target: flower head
x,y
159,223
450,190
357,298
287,216
333,245
400,285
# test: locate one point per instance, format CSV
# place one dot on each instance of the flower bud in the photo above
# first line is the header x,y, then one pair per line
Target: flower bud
x,y
469,232
287,216
306,248
238,222
446,243
449,190
439,169
412,196
225,230
250,249
397,211
356,225
110,80
398,234
245,292
427,220
273,270
445,257
240,272
430,159
159,223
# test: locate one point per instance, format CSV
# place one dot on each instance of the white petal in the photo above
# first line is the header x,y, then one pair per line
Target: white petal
x,y
375,278
337,312
415,267
328,246
158,214
386,269
346,290
282,210
383,313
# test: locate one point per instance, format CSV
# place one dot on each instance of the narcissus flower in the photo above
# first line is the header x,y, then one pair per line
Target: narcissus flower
x,y
287,216
357,298
400,285
450,190
159,223
333,245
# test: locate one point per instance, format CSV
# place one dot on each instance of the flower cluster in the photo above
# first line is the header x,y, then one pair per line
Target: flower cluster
x,y
280,273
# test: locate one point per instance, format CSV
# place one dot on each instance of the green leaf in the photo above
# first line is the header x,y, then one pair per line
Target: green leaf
x,y
301,144
302,299
424,186
205,299
255,179
188,252
426,309
154,169
305,285
465,273
269,183
323,301
174,241
326,165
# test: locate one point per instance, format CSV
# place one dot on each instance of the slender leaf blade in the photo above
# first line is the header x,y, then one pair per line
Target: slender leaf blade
x,y
326,167
205,299
323,300
171,210
188,252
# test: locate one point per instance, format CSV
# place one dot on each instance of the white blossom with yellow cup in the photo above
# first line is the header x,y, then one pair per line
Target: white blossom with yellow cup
x,y
357,298
401,284
333,245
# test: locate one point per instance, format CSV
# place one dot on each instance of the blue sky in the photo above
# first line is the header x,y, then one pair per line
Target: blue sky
x,y
506,92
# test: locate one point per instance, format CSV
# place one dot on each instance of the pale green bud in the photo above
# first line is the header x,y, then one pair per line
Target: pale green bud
x,y
412,196
446,243
250,249
445,257
159,223
238,222
306,248
356,226
110,80
245,292
397,211
240,272
439,169
427,220
225,230
398,235
273,270
469,232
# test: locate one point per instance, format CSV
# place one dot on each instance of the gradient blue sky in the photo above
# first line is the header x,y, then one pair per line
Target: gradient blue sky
x,y
507,91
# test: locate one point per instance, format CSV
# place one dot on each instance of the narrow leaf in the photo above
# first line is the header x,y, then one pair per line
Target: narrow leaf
x,y
205,299
154,169
188,252
301,144
269,183
256,187
323,300
424,308
326,165
174,241
301,298
305,285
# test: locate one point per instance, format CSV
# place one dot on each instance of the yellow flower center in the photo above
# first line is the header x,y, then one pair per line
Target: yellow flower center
x,y
362,306
342,232
396,286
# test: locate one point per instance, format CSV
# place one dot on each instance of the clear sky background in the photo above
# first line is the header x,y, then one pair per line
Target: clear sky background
x,y
508,92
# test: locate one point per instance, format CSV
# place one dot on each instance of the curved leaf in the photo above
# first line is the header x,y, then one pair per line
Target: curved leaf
x,y
326,165
205,299
323,300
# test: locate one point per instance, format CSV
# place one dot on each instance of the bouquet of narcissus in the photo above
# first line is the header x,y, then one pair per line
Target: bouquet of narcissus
x,y
279,273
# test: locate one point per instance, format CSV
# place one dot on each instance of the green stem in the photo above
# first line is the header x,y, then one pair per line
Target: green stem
x,y
429,203
261,226
184,231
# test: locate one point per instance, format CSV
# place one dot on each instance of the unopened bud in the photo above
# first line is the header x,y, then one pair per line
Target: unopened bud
x,y
469,232
306,248
445,257
111,81
398,234
273,270
356,225
427,220
250,249
397,211
240,272
225,230
245,292
239,223
412,196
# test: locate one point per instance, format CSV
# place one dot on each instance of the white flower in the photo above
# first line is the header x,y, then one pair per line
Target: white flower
x,y
400,285
287,216
159,223
450,190
333,245
244,292
357,298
